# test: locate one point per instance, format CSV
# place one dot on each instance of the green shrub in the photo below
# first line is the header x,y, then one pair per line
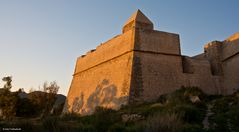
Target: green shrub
x,y
226,113
26,126
136,108
162,99
163,122
182,96
118,127
8,101
86,128
25,108
213,97
233,118
221,122
70,117
51,124
189,113
192,128
222,105
104,118
137,127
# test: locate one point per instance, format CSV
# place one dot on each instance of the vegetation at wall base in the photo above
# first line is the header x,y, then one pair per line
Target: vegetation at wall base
x,y
184,110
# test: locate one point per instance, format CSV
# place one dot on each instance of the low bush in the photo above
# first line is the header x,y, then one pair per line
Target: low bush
x,y
164,122
192,128
174,112
189,113
51,124
104,118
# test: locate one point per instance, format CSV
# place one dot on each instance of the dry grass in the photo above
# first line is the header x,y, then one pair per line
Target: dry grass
x,y
163,123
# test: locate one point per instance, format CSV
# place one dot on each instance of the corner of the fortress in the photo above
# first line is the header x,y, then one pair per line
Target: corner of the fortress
x,y
138,22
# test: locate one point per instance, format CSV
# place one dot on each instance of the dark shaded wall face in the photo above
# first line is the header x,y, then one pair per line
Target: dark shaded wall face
x,y
156,74
224,60
157,65
213,52
231,74
231,64
230,46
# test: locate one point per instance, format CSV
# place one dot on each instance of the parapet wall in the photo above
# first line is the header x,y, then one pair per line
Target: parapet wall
x,y
157,41
106,51
230,46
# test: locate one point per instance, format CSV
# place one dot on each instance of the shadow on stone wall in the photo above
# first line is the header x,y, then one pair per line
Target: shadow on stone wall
x,y
105,95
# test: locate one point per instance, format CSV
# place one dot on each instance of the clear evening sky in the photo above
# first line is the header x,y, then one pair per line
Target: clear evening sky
x,y
41,39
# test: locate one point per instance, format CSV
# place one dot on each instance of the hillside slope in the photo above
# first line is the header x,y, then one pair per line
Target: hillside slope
x,y
185,110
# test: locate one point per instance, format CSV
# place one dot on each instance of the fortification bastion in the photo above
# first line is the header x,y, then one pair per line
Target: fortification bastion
x,y
142,63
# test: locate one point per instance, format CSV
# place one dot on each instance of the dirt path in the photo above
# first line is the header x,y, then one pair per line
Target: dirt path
x,y
206,124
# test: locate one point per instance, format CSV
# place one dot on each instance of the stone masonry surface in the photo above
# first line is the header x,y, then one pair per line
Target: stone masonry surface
x,y
141,64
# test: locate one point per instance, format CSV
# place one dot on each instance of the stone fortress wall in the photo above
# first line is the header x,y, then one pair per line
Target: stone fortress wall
x,y
141,64
102,77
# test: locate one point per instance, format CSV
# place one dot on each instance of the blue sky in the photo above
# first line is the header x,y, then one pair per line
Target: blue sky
x,y
40,40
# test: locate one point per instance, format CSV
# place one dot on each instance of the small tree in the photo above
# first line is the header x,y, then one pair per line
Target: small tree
x,y
8,100
38,98
51,90
26,108
8,103
8,80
